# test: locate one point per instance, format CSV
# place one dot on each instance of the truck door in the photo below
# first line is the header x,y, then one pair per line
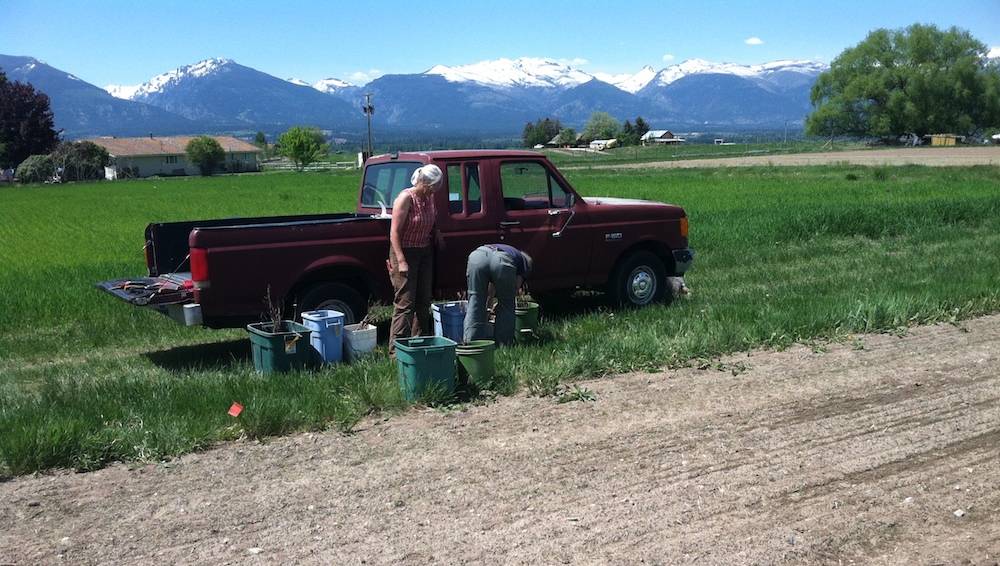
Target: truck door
x,y
540,216
466,226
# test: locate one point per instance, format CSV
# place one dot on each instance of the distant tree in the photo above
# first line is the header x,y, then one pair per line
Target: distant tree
x,y
628,135
641,127
601,126
919,80
80,161
35,169
567,136
260,140
541,132
26,123
206,153
303,146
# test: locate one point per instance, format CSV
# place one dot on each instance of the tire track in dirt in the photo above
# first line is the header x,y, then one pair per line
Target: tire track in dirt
x,y
804,457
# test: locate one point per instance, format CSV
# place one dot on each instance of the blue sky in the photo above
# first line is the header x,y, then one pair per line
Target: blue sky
x,y
127,42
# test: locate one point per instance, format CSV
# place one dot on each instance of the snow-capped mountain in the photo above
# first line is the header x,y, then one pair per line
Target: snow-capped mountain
x,y
298,82
512,73
225,94
703,67
82,109
629,82
332,85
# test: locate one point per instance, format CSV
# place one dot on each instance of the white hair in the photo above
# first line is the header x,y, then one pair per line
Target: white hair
x,y
430,174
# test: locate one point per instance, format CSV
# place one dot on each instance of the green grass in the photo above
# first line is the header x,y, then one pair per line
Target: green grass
x,y
651,153
785,255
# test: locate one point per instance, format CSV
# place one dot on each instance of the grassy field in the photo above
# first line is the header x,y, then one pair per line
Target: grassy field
x,y
639,154
785,255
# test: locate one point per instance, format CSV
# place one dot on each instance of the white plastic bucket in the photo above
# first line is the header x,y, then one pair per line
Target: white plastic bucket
x,y
359,340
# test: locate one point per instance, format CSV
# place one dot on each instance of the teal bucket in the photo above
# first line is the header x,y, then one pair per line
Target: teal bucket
x,y
424,362
279,351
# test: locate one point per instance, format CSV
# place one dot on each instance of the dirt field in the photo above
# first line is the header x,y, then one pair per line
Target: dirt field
x,y
885,450
936,157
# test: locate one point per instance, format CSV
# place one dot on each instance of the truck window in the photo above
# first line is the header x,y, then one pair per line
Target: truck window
x,y
464,180
529,185
384,181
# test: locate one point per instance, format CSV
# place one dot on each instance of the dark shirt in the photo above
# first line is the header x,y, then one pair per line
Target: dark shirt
x,y
516,255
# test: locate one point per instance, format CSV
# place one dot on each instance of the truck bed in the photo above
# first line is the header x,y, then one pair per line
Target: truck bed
x,y
167,242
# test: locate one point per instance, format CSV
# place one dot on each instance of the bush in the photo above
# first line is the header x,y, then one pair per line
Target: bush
x,y
80,161
303,146
36,169
206,153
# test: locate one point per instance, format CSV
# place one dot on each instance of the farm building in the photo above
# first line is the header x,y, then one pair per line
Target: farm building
x,y
944,139
601,145
145,157
554,142
659,136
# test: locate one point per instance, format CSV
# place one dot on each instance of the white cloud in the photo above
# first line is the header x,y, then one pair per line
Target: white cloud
x,y
574,62
753,40
994,52
363,77
667,57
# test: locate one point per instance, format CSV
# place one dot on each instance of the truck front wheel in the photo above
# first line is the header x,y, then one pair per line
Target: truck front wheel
x,y
639,280
335,296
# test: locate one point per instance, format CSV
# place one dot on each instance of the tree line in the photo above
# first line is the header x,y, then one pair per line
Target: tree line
x,y
599,126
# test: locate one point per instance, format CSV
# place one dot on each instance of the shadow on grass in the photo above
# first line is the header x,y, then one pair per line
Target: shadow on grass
x,y
216,355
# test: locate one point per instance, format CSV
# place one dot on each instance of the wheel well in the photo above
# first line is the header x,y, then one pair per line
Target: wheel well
x,y
659,249
356,278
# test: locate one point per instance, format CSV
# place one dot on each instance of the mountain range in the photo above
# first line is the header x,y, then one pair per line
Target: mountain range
x,y
484,98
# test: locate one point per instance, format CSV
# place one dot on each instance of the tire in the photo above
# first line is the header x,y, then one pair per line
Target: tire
x,y
335,296
639,280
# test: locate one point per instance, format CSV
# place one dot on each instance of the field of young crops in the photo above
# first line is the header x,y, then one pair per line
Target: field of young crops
x,y
784,255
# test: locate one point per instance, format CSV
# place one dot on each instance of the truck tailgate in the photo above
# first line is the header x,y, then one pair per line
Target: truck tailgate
x,y
168,289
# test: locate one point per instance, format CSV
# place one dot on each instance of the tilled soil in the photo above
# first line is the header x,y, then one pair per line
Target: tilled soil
x,y
935,157
883,450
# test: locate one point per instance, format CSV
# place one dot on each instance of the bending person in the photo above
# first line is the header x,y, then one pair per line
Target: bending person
x,y
411,255
502,269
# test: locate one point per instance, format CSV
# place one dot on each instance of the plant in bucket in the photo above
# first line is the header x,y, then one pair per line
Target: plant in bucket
x,y
278,345
360,338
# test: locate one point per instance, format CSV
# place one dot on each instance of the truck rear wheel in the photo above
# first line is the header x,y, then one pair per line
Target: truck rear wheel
x,y
639,280
335,296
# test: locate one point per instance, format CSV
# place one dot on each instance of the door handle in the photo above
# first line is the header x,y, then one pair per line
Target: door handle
x,y
510,223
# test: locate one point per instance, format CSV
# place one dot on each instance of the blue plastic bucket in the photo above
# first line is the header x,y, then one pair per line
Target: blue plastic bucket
x,y
327,338
449,319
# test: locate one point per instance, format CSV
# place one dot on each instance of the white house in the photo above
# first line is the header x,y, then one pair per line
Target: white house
x,y
145,157
659,136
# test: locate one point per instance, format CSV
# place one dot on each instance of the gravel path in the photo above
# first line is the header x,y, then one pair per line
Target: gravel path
x,y
932,156
885,450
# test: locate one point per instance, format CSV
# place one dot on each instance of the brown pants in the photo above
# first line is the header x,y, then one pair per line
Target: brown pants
x,y
411,314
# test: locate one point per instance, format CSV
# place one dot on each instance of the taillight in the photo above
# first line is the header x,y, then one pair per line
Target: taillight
x,y
147,252
199,268
684,226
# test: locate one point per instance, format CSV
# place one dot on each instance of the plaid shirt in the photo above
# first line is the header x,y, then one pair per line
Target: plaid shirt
x,y
416,232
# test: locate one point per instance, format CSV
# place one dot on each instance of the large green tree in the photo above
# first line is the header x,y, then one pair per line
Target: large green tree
x,y
542,131
303,146
206,153
26,122
917,80
80,161
601,126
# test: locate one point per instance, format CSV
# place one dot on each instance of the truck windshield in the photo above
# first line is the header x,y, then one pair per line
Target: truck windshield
x,y
384,181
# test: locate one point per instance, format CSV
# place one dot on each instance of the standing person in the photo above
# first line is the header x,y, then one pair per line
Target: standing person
x,y
411,255
504,268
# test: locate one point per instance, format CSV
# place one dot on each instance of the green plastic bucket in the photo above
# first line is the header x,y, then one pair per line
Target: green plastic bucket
x,y
424,362
476,361
279,351
526,318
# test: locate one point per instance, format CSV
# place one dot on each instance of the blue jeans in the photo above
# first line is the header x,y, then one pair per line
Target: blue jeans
x,y
486,266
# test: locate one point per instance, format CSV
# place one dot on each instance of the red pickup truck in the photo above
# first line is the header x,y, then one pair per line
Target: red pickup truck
x,y
217,272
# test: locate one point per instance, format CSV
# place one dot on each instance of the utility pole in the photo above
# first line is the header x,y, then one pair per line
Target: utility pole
x,y
786,133
369,109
